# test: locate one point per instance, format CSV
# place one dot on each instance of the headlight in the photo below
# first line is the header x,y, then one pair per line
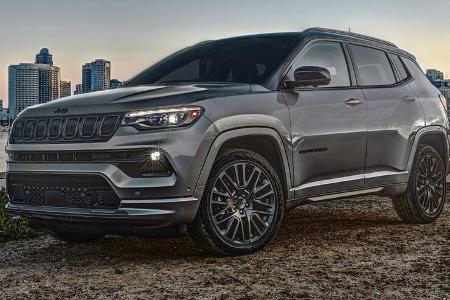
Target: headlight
x,y
163,118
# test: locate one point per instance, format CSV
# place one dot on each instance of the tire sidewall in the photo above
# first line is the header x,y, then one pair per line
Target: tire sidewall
x,y
225,161
422,151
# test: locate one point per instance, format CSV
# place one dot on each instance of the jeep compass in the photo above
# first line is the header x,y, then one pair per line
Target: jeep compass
x,y
220,139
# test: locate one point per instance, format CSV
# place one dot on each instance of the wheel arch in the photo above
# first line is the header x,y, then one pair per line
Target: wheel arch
x,y
261,140
435,136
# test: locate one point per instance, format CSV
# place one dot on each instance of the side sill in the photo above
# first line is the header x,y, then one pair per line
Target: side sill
x,y
390,190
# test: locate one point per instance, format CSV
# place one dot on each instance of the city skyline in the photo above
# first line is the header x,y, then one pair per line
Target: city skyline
x,y
135,34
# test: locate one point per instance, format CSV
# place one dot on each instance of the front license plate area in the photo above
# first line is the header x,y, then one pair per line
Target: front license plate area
x,y
55,198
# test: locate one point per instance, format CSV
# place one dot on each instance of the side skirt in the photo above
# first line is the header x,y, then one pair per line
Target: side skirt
x,y
389,190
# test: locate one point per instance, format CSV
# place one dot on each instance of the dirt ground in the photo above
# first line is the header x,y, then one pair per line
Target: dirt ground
x,y
343,249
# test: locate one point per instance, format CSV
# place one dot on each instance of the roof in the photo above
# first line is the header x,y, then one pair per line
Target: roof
x,y
355,37
341,33
328,33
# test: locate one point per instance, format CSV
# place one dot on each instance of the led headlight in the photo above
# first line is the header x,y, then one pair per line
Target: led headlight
x,y
163,118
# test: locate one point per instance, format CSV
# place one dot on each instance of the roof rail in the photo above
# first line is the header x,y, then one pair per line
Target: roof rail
x,y
357,35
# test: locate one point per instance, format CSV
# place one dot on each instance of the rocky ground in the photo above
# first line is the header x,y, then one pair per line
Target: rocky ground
x,y
344,249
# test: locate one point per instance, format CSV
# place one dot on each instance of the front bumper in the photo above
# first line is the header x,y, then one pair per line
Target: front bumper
x,y
152,213
153,202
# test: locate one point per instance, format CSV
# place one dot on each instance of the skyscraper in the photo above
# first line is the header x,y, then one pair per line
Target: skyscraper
x,y
101,75
29,84
96,76
86,81
45,82
49,82
44,57
65,88
55,82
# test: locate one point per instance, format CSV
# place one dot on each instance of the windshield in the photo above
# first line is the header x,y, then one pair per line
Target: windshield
x,y
242,60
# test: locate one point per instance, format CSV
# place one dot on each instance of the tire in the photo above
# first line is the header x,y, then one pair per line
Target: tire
x,y
424,198
75,238
243,192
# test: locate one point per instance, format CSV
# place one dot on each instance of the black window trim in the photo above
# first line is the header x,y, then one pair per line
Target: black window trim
x,y
409,76
349,62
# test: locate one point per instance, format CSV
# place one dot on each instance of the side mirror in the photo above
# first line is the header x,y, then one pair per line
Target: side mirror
x,y
311,76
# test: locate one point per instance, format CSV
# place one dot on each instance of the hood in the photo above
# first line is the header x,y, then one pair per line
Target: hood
x,y
134,98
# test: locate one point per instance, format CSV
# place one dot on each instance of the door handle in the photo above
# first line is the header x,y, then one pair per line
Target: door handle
x,y
352,101
408,98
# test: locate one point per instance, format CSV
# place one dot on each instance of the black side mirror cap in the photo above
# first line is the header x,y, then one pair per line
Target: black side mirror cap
x,y
310,76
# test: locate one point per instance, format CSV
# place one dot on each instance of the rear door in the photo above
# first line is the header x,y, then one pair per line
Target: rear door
x,y
393,113
328,125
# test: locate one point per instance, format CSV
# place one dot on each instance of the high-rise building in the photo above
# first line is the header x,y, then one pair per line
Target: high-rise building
x,y
78,89
86,81
29,84
45,82
96,76
101,75
55,82
44,57
65,89
434,75
49,81
114,84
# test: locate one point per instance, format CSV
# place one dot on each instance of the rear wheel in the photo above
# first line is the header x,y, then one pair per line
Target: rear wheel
x,y
71,237
424,198
242,206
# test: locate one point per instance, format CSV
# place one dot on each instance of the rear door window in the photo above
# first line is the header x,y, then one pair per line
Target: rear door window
x,y
372,66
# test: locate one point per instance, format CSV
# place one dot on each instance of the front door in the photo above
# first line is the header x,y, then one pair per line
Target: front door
x,y
328,125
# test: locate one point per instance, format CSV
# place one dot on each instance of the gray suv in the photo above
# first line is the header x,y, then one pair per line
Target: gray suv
x,y
221,138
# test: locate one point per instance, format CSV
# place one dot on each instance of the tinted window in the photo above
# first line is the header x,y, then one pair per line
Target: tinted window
x,y
403,74
244,60
372,66
327,55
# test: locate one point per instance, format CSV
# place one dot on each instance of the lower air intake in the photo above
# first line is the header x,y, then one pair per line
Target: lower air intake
x,y
62,191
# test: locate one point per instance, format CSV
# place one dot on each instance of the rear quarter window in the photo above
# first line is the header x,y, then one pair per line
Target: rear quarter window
x,y
372,66
402,73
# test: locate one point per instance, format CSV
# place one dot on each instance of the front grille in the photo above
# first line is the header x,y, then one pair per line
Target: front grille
x,y
70,129
62,190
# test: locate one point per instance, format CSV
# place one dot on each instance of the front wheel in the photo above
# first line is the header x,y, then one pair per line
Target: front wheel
x,y
242,206
424,198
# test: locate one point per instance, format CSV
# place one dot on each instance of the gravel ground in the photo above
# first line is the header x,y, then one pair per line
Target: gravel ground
x,y
354,248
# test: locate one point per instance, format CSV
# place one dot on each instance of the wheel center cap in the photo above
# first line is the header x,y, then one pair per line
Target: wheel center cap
x,y
240,203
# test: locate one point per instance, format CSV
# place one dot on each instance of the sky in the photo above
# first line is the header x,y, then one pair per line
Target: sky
x,y
133,34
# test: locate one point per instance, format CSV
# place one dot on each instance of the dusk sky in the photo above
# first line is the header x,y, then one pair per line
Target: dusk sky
x,y
133,34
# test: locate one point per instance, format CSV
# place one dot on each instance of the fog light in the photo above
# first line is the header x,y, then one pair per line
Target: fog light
x,y
155,155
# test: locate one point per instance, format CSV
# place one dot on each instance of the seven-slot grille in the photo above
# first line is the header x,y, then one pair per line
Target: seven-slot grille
x,y
89,128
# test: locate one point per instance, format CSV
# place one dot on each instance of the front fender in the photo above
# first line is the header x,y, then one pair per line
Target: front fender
x,y
238,133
